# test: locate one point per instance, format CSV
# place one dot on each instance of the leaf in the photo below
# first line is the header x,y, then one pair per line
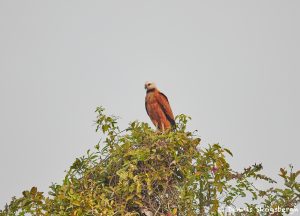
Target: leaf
x,y
75,202
33,191
228,151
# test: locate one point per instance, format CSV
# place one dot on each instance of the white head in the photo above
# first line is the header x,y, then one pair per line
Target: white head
x,y
150,86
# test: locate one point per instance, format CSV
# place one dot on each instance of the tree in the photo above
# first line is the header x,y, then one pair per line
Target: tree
x,y
140,171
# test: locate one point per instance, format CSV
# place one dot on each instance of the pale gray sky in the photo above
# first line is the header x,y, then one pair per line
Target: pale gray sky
x,y
232,65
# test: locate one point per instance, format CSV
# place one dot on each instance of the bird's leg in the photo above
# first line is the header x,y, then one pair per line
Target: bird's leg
x,y
156,126
162,127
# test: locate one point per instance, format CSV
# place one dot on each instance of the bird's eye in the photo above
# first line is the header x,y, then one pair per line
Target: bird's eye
x,y
148,84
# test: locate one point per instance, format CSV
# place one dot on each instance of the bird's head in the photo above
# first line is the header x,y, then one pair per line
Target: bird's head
x,y
150,86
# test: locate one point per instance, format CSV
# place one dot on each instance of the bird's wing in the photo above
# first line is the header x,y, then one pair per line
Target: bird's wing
x,y
146,107
165,106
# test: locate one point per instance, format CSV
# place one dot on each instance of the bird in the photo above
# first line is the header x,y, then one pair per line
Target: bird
x,y
158,108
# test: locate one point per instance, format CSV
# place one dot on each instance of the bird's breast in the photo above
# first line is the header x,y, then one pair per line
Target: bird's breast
x,y
150,97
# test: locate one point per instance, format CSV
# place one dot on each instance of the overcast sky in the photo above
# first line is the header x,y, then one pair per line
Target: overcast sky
x,y
232,65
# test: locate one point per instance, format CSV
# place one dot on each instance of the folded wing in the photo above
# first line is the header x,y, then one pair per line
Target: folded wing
x,y
165,106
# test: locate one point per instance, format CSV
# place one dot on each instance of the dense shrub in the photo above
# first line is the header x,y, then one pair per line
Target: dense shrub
x,y
142,171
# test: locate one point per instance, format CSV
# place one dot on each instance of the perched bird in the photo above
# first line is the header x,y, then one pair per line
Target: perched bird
x,y
158,108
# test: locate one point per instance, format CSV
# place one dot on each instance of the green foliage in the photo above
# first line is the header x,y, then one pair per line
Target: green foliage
x,y
139,169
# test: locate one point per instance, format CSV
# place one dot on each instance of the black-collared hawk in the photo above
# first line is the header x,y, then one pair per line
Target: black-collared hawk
x,y
158,108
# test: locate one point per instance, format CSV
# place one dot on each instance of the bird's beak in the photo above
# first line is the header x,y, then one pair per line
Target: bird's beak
x,y
145,86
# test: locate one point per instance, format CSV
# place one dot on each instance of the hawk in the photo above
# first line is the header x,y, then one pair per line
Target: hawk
x,y
158,108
